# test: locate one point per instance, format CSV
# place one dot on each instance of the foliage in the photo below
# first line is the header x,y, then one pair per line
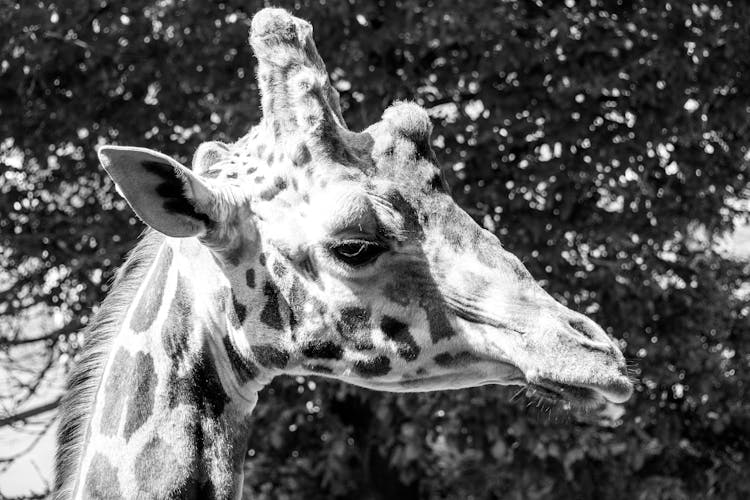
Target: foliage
x,y
604,142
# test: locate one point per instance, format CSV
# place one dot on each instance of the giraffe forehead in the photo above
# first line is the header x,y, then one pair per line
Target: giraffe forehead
x,y
344,207
331,191
396,148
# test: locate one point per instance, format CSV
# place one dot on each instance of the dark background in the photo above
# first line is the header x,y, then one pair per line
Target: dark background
x,y
605,143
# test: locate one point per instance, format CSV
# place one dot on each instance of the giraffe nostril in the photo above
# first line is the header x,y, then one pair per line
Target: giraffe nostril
x,y
583,328
594,335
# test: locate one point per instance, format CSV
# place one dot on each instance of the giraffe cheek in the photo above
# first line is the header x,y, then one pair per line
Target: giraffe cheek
x,y
323,350
440,327
270,314
304,308
398,292
322,369
363,342
398,331
270,356
458,360
428,299
375,367
353,320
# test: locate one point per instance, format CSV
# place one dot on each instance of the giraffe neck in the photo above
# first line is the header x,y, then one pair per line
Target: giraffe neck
x,y
171,413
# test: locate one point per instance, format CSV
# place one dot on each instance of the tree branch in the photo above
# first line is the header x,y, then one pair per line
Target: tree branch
x,y
65,330
31,412
30,496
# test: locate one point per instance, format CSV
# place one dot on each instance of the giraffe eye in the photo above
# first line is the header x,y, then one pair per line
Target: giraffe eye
x,y
357,252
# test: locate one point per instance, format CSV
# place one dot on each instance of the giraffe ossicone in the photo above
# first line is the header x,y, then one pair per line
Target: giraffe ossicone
x,y
308,249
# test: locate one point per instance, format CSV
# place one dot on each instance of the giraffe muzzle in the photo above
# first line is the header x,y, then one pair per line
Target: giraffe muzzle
x,y
563,355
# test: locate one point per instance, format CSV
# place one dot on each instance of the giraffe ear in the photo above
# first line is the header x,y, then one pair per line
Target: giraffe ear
x,y
208,154
164,194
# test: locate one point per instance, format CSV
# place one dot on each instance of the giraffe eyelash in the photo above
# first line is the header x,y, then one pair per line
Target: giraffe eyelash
x,y
356,252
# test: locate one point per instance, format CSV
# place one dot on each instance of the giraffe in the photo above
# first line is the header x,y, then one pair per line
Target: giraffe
x,y
304,249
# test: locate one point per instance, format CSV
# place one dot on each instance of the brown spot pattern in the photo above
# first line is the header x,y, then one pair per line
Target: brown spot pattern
x,y
270,192
362,342
250,278
150,302
141,403
200,388
397,293
374,367
440,327
270,356
278,268
352,320
458,360
115,394
301,155
179,323
299,300
270,314
240,310
154,469
324,349
101,479
317,368
244,369
399,333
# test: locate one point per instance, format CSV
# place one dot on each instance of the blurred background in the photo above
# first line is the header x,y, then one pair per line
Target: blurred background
x,y
605,143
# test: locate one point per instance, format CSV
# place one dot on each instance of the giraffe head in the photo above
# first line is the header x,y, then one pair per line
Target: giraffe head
x,y
343,255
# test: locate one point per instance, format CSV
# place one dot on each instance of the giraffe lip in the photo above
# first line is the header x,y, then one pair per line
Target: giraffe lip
x,y
617,391
554,392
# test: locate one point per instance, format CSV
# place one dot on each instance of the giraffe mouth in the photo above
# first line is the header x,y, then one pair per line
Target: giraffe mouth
x,y
562,393
580,396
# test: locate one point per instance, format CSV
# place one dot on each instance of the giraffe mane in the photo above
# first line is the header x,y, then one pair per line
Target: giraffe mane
x,y
83,382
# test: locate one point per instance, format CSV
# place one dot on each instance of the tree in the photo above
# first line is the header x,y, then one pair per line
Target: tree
x,y
603,141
